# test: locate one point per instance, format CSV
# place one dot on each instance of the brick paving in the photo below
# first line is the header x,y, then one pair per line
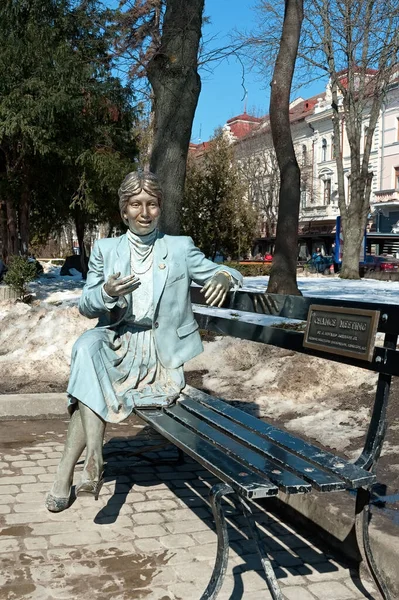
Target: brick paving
x,y
150,535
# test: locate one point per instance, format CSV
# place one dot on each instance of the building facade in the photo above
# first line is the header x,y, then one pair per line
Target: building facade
x,y
312,132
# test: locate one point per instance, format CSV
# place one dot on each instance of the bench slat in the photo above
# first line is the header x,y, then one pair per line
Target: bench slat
x,y
354,476
322,481
249,485
286,481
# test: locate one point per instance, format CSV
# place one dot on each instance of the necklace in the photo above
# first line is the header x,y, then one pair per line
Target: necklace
x,y
145,270
148,259
141,251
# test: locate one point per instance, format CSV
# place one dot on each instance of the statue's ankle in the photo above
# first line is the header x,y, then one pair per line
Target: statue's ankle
x,y
61,488
92,472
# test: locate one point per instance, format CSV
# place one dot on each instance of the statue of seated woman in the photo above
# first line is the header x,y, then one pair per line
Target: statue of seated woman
x,y
138,288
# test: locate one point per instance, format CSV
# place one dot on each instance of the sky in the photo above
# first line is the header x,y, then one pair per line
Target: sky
x,y
222,92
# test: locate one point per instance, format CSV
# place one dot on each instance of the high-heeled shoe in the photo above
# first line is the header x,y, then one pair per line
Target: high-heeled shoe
x,y
89,487
57,503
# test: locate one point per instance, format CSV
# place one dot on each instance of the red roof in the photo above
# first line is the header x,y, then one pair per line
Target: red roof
x,y
243,124
245,117
305,108
198,148
297,113
357,69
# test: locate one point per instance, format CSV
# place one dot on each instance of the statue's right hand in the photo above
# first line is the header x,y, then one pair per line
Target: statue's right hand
x,y
116,287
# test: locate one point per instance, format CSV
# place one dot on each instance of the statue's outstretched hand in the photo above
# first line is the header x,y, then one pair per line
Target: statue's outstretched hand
x,y
216,288
116,287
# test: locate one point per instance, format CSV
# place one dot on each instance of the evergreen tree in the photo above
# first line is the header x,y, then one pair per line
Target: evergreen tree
x,y
215,212
65,120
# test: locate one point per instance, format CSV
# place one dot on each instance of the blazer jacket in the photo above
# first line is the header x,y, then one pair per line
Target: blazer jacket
x,y
177,262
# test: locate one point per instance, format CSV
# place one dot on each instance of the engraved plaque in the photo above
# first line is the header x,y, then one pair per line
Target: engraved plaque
x,y
346,331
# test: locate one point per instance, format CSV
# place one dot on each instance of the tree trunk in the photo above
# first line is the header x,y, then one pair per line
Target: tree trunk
x,y
12,228
283,272
80,232
24,221
353,224
353,235
3,231
176,85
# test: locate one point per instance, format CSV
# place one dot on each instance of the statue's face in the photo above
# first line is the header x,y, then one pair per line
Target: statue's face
x,y
142,213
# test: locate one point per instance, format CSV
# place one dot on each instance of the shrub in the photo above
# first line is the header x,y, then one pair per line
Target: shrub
x,y
20,273
251,270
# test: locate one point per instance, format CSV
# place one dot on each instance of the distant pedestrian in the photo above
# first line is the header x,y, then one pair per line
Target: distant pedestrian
x,y
318,260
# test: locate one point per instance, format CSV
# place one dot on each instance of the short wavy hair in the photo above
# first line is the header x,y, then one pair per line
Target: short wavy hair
x,y
134,183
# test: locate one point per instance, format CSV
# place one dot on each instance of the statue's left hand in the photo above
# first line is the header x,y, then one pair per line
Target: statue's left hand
x,y
216,288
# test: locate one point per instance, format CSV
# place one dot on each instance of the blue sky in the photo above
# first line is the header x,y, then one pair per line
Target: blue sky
x,y
222,93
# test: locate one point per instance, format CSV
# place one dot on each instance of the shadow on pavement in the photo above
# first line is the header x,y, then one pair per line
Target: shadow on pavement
x,y
293,552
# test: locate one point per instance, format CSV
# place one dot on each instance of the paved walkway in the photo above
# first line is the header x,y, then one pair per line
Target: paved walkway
x,y
150,535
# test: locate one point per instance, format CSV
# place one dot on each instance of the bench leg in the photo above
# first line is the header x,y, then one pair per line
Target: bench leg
x,y
271,579
216,495
363,541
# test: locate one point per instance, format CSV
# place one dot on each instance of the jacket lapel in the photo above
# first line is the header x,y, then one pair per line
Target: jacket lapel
x,y
160,268
123,264
123,256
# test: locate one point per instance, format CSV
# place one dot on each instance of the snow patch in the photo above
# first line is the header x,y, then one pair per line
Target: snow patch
x,y
304,392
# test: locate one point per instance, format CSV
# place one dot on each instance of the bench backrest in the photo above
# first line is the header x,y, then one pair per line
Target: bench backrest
x,y
285,333
279,320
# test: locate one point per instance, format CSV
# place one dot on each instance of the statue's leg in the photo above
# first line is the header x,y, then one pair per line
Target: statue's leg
x,y
58,497
94,429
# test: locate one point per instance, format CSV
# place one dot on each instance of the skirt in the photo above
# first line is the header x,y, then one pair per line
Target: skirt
x,y
115,370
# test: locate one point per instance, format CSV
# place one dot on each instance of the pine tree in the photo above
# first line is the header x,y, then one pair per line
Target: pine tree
x,y
215,212
65,120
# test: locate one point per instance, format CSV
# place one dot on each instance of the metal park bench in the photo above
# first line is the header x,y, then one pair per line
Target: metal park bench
x,y
253,459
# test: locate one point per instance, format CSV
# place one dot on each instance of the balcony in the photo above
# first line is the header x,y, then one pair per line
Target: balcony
x,y
383,196
319,212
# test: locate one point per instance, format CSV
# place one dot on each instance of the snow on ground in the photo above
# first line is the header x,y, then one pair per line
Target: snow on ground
x,y
307,393
36,339
303,391
320,286
51,288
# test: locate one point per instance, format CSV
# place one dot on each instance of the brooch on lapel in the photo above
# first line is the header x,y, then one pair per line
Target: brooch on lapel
x,y
162,265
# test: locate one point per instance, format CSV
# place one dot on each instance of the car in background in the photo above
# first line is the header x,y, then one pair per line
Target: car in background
x,y
375,264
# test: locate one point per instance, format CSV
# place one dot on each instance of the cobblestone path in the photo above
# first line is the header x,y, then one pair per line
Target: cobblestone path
x,y
150,535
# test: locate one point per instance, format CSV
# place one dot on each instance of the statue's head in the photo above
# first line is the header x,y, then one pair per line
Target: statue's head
x,y
140,198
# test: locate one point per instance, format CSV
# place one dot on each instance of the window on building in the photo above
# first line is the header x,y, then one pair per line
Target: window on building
x,y
255,196
323,150
327,191
303,198
304,155
396,178
397,129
